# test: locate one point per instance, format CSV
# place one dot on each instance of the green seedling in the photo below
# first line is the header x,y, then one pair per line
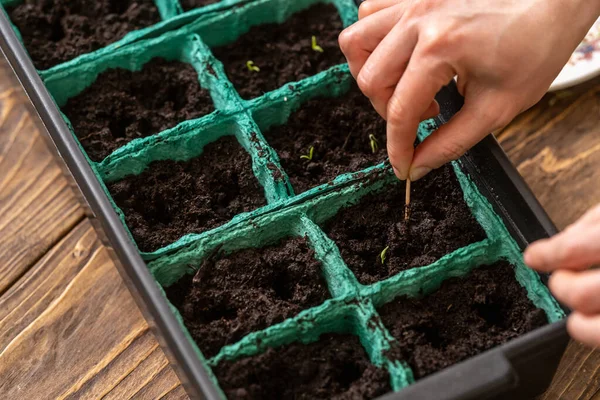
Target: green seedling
x,y
314,45
251,67
374,143
309,156
383,253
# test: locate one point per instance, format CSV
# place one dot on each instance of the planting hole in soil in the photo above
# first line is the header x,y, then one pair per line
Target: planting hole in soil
x,y
55,31
464,317
346,135
188,5
173,198
440,222
334,367
249,290
283,52
122,105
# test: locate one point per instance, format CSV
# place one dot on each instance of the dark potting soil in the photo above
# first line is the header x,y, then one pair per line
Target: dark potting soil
x,y
173,198
188,5
335,367
464,317
56,31
122,105
440,222
339,131
248,290
283,52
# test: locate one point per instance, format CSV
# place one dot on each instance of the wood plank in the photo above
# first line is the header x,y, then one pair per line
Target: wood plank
x,y
556,147
37,207
69,328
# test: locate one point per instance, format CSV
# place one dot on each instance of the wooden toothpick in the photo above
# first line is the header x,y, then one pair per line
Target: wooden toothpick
x,y
407,205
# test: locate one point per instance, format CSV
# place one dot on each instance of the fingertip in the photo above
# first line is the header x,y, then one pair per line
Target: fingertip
x,y
417,172
534,255
584,329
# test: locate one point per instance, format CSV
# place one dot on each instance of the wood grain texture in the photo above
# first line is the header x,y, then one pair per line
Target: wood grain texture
x,y
37,207
69,329
556,147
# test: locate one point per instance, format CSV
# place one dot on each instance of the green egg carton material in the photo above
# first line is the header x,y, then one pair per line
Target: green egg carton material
x,y
188,37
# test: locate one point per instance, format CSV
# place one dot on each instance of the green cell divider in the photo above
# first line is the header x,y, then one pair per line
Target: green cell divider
x,y
377,340
168,8
340,279
424,280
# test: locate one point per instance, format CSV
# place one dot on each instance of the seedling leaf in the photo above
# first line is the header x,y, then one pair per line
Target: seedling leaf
x,y
383,253
314,45
374,143
309,156
251,67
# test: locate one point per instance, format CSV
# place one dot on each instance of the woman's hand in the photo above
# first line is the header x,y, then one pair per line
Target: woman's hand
x,y
506,53
570,255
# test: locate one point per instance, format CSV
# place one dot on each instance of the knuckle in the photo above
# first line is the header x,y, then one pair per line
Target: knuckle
x,y
452,150
396,111
366,82
347,39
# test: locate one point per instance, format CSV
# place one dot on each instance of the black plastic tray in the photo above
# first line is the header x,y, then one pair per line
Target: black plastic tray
x,y
519,369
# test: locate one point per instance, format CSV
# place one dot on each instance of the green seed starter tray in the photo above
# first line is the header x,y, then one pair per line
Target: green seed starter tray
x,y
188,37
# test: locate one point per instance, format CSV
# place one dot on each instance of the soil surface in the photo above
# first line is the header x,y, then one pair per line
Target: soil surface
x,y
463,318
188,5
122,105
283,52
55,31
248,290
338,130
335,367
440,222
173,198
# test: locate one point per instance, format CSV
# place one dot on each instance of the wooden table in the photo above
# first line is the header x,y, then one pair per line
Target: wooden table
x,y
69,327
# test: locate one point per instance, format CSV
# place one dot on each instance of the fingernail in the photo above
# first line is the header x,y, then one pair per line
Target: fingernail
x,y
417,173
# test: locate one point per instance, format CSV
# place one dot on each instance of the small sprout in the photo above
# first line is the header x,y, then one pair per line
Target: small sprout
x,y
374,143
449,307
251,67
383,253
314,45
309,156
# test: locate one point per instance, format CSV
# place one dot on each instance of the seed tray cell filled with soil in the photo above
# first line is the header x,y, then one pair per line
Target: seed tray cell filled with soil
x,y
246,291
345,133
123,105
335,367
440,222
188,5
173,198
283,52
464,317
55,31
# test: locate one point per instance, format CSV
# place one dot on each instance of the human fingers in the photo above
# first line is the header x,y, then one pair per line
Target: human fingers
x,y
370,7
584,328
358,41
410,101
580,291
383,69
575,248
